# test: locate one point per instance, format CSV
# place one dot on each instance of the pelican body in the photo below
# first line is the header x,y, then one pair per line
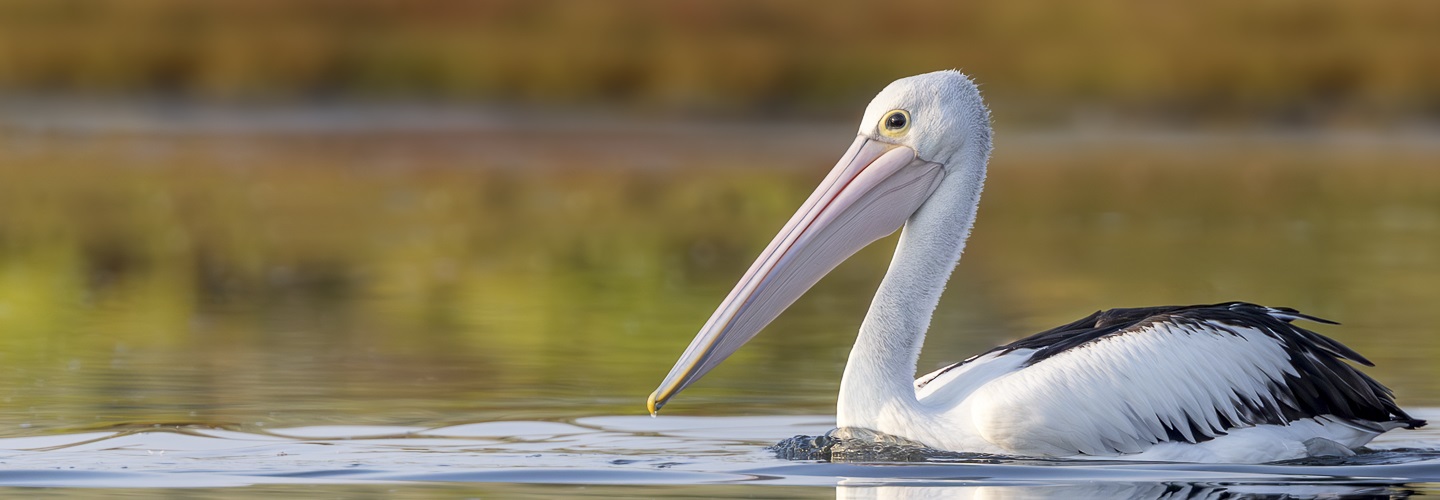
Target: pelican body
x,y
1230,382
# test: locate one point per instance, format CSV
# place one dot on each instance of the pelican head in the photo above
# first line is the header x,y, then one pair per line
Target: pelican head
x,y
923,141
943,113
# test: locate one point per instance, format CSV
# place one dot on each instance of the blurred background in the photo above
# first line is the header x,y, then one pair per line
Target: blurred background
x,y
287,212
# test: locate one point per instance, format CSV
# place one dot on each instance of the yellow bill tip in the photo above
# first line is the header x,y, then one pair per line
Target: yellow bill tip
x,y
654,410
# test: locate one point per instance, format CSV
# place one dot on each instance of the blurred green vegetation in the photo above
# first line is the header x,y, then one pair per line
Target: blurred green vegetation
x,y
1287,62
298,279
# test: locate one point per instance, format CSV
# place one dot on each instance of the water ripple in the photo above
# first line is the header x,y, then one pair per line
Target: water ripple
x,y
671,451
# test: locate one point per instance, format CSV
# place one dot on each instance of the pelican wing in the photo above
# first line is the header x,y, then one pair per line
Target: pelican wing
x,y
1119,381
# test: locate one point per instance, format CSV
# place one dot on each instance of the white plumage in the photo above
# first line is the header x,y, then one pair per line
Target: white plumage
x,y
1125,393
1230,382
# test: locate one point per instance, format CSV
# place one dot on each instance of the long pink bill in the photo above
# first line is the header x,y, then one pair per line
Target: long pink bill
x,y
870,193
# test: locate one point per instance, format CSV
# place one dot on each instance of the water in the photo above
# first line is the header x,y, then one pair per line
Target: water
x,y
710,455
482,310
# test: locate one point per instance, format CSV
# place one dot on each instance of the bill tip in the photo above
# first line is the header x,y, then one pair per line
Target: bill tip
x,y
652,406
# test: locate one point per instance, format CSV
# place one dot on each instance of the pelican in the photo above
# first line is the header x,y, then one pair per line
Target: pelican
x,y
1230,382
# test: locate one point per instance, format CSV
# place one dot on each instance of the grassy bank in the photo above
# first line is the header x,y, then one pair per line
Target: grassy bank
x,y
1306,62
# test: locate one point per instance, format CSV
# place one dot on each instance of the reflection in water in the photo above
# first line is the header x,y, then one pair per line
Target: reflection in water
x,y
1135,491
860,445
254,282
714,454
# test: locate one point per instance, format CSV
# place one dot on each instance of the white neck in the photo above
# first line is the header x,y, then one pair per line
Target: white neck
x,y
880,375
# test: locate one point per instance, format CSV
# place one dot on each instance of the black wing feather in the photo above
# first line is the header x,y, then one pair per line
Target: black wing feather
x,y
1325,384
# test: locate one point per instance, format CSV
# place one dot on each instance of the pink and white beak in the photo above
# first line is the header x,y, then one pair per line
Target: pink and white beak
x,y
871,192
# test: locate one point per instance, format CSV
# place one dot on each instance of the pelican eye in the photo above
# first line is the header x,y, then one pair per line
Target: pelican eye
x,y
895,122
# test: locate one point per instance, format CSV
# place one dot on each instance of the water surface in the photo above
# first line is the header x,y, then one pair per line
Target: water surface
x,y
638,455
487,307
